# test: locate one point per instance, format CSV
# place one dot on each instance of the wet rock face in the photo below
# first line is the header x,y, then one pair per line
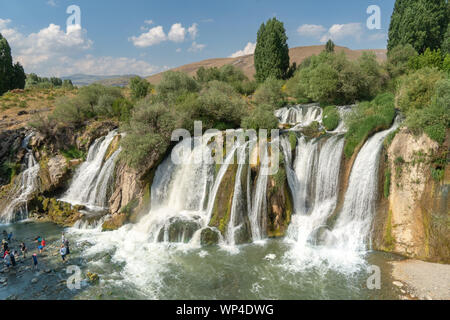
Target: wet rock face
x,y
10,151
54,173
412,211
209,237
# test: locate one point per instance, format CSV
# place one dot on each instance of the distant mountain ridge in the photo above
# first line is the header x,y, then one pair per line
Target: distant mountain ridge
x,y
245,63
86,79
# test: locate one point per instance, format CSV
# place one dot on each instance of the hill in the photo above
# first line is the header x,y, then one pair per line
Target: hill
x,y
245,63
86,79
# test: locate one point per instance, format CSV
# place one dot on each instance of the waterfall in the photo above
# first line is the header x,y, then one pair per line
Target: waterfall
x,y
318,194
352,229
179,193
238,204
259,205
24,185
299,114
92,181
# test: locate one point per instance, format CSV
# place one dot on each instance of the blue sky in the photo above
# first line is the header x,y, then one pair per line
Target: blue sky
x,y
148,36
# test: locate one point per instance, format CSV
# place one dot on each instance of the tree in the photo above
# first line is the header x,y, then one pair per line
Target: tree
x,y
6,69
329,47
139,87
421,23
271,52
11,76
19,77
446,43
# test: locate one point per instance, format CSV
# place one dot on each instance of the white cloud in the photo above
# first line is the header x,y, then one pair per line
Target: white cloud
x,y
195,47
52,3
148,22
249,49
178,50
4,23
193,31
311,30
104,66
151,37
177,33
339,32
51,51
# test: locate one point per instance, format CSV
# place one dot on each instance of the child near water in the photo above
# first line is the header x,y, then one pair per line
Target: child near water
x,y
35,261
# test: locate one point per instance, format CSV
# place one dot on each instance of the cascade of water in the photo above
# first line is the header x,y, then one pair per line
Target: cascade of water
x,y
237,205
352,229
25,184
92,179
322,182
299,114
259,205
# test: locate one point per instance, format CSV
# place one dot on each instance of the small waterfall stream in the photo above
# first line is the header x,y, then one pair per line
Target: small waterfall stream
x,y
92,180
24,185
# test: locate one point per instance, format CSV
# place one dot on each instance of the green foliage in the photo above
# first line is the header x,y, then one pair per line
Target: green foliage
x,y
437,174
416,89
139,87
270,93
91,101
272,51
398,59
333,79
12,76
34,81
229,74
122,109
261,117
428,59
148,133
331,118
220,103
67,84
312,130
446,42
366,119
421,23
434,117
73,153
292,139
387,183
329,46
174,84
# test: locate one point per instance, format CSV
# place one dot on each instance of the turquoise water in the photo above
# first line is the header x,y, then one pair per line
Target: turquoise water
x,y
131,268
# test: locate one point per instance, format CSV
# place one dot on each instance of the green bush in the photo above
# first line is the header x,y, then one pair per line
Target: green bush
x,y
416,89
366,119
270,93
73,153
175,83
122,108
331,118
387,183
428,59
148,133
398,60
220,103
331,78
139,87
261,117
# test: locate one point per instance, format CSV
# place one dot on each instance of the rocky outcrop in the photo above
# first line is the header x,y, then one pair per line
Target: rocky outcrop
x,y
53,174
51,209
279,209
418,204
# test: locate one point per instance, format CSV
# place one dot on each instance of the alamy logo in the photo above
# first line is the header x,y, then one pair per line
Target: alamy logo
x,y
74,20
74,281
374,21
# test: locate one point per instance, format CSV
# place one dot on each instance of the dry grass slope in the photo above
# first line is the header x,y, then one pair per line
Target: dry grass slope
x,y
245,63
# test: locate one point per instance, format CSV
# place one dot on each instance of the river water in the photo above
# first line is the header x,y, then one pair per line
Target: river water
x,y
139,270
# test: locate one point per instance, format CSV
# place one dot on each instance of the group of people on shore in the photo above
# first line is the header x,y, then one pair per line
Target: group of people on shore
x,y
10,255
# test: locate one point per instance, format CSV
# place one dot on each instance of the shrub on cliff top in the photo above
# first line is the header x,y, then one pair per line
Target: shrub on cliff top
x,y
366,119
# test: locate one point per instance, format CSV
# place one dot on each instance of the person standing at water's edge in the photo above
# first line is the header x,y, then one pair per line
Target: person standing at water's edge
x,y
23,249
63,252
66,244
35,261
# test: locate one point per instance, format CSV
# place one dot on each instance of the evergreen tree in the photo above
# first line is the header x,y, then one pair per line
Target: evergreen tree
x,y
5,65
272,52
329,47
421,23
19,77
11,76
446,43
